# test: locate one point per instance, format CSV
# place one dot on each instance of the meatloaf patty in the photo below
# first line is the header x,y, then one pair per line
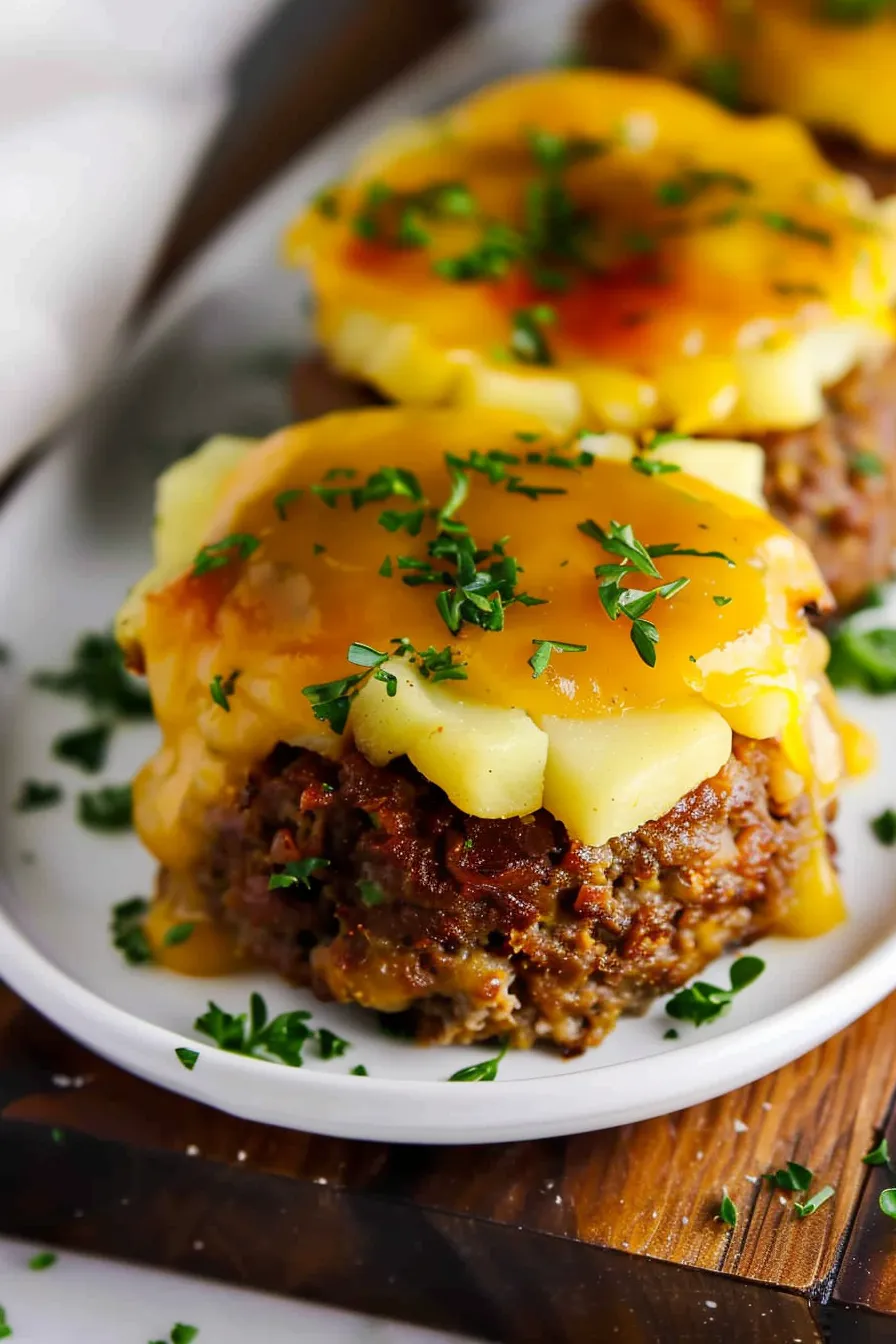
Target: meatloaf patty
x,y
465,929
618,34
833,483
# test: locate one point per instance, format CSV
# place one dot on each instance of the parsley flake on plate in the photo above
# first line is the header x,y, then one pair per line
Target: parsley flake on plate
x,y
5,1327
863,658
701,1002
98,676
109,808
128,933
485,1072
178,934
282,1038
329,1045
187,1057
359,1071
43,1260
884,827
887,1202
85,748
34,795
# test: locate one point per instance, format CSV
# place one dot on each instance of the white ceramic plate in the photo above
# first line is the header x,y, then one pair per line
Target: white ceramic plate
x,y
75,535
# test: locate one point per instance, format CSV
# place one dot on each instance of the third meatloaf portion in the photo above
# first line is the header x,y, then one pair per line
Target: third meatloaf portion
x,y
464,929
620,35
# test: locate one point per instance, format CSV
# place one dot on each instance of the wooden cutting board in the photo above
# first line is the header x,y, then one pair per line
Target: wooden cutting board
x,y
609,1236
597,1237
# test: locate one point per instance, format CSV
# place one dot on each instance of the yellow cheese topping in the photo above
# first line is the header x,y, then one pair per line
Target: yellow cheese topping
x,y
602,250
286,569
827,62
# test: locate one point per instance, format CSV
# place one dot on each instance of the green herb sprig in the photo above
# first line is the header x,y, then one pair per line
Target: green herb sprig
x,y
485,1072
128,932
701,1002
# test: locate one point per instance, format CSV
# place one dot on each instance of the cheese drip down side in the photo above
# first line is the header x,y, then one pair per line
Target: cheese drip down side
x,y
228,651
601,250
828,63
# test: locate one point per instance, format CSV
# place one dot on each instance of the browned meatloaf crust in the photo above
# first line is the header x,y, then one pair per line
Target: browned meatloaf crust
x,y
469,929
619,34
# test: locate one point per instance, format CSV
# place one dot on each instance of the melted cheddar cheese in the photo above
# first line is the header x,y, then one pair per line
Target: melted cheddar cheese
x,y
796,56
679,265
599,736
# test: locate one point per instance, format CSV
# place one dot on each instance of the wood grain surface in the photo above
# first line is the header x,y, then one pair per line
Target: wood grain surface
x,y
624,1218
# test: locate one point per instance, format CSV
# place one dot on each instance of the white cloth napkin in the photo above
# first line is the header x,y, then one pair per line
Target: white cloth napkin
x,y
105,106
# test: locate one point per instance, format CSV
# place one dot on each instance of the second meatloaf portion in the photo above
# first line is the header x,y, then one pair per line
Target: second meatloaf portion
x,y
468,929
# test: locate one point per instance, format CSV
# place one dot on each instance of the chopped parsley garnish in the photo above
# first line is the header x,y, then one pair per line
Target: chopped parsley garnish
x,y
701,1002
33,795
86,748
528,343
543,650
106,809
433,664
381,484
385,569
329,1045
180,1334
887,1202
693,182
399,218
795,227
728,1210
43,1260
884,827
720,78
666,436
652,466
221,689
556,153
359,1071
128,933
283,501
297,873
187,1057
326,202
331,700
814,1201
283,1038
670,1035
218,554
98,676
489,259
486,1072
792,1177
178,933
879,1156
721,601
863,658
371,893
634,603
5,1327
480,588
317,548
866,464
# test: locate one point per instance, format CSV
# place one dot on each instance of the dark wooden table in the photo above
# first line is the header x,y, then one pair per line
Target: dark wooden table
x,y
598,1237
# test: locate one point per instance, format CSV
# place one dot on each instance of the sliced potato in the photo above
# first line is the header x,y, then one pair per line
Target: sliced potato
x,y
728,464
608,776
555,399
395,356
490,761
186,496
